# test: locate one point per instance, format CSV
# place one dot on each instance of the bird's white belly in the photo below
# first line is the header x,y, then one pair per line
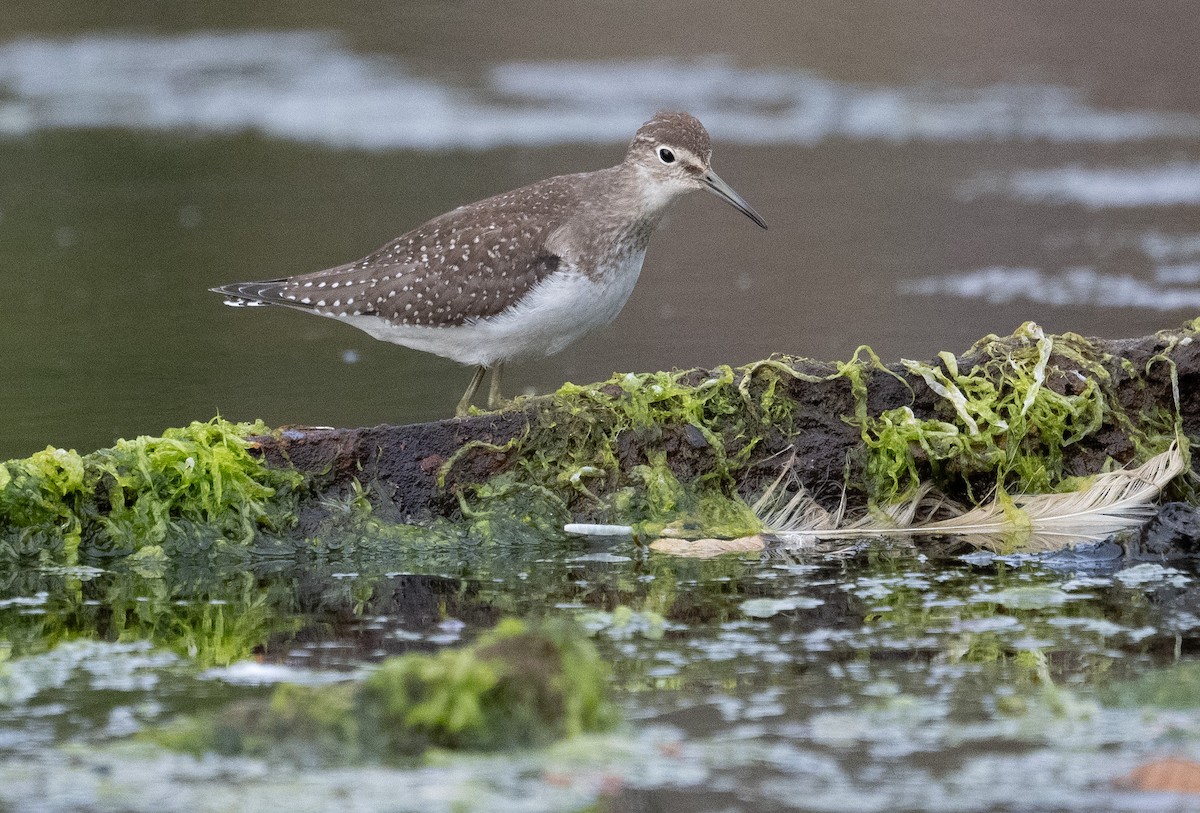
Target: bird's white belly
x,y
555,313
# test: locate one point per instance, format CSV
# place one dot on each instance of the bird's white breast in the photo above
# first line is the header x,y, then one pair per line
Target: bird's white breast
x,y
555,312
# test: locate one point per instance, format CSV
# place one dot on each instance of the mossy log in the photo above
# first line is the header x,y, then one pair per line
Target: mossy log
x,y
604,450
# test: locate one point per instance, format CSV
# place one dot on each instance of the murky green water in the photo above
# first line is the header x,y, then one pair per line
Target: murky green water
x,y
881,679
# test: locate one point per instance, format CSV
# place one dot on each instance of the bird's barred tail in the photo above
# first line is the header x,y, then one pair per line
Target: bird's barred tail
x,y
253,294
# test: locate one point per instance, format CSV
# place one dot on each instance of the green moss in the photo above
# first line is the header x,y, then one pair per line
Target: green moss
x,y
141,493
519,685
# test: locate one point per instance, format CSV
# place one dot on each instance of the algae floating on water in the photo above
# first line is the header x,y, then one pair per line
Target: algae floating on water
x,y
522,684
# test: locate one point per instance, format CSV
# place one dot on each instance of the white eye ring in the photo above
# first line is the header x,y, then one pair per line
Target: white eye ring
x,y
665,155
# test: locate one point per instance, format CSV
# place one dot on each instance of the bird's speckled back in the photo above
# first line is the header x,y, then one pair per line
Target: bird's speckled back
x,y
476,261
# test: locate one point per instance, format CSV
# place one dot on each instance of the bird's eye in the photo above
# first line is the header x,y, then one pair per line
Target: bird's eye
x,y
666,156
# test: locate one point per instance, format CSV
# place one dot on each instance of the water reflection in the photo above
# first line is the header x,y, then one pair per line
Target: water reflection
x,y
210,621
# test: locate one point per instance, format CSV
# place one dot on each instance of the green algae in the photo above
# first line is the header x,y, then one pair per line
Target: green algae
x,y
656,450
507,508
1007,422
200,480
520,685
577,450
660,500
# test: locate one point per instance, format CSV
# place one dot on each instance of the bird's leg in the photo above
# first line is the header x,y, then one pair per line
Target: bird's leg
x,y
495,401
465,403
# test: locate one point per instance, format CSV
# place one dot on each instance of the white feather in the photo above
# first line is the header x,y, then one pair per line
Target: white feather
x,y
1111,502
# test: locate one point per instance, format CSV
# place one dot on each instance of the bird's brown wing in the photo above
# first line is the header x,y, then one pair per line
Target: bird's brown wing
x,y
468,264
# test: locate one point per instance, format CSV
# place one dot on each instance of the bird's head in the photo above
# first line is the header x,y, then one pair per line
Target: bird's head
x,y
674,151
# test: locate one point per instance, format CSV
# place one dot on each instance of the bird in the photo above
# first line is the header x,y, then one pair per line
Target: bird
x,y
519,275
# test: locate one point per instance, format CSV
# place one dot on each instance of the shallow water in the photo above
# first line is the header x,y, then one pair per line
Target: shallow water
x,y
931,174
881,679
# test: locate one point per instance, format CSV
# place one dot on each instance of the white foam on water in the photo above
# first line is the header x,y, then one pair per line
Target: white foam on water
x,y
1072,286
1176,183
307,86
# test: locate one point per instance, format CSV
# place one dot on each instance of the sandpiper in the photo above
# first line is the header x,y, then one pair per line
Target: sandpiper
x,y
516,276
